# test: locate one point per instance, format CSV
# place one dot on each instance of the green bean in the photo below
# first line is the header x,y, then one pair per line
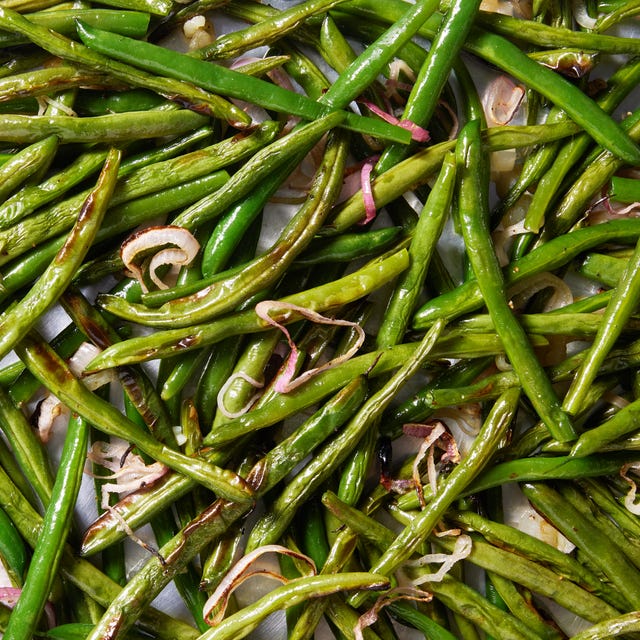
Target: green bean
x,y
572,206
604,269
418,620
264,32
408,287
29,198
628,545
112,128
218,78
527,571
246,620
600,495
27,448
550,183
619,425
12,549
620,13
17,321
24,164
144,181
57,523
100,103
81,573
356,469
233,226
624,189
541,34
23,62
537,578
221,559
268,471
215,374
536,469
23,269
129,23
138,388
569,324
155,7
617,626
60,46
617,312
474,216
510,538
414,534
365,68
587,537
251,364
553,254
159,570
348,246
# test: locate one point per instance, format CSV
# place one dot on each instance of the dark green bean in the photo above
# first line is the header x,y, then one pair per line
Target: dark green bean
x,y
218,78
28,450
474,217
24,164
403,301
444,48
55,528
129,23
12,549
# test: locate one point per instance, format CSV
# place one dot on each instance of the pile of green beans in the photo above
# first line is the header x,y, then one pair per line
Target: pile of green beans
x,y
409,327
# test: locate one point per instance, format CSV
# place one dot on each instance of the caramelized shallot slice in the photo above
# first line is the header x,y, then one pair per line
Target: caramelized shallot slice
x,y
285,382
215,607
168,245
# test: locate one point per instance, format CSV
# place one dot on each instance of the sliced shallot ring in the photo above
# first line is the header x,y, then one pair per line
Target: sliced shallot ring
x,y
460,551
9,597
285,382
370,617
418,133
370,208
225,387
630,498
501,100
427,446
123,464
217,602
185,250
